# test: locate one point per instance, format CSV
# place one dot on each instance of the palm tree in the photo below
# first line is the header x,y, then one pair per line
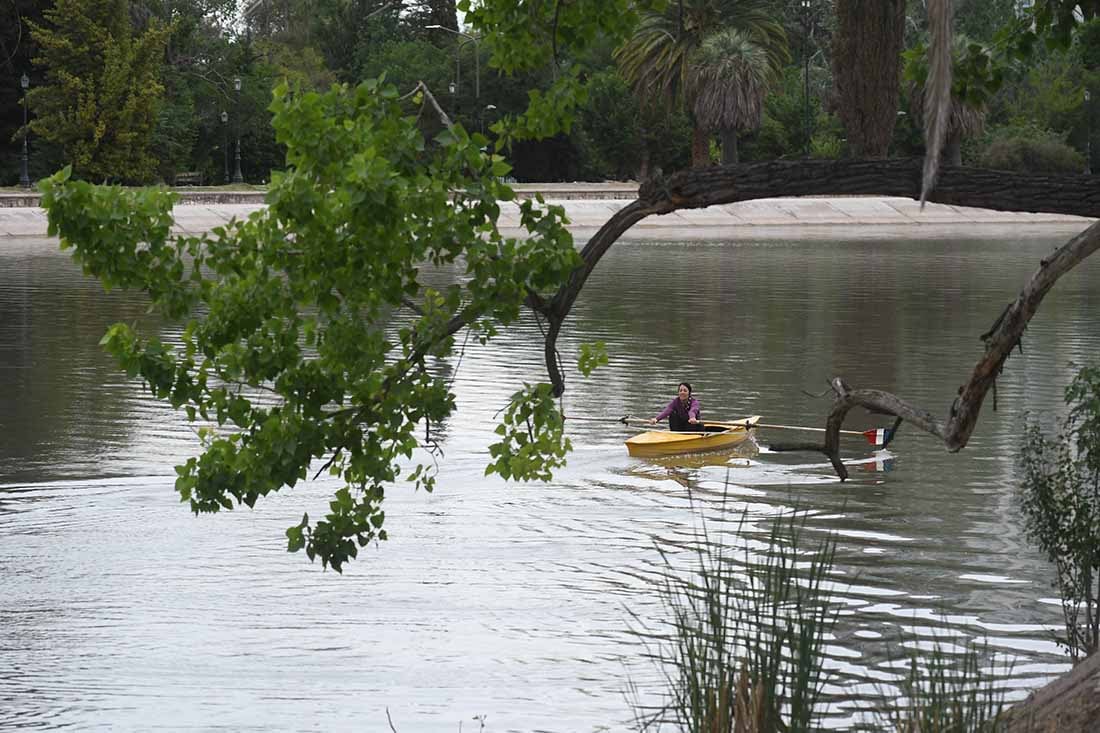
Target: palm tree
x,y
964,119
728,79
658,60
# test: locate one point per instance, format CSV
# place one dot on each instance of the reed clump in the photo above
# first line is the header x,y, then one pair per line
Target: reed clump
x,y
743,648
742,645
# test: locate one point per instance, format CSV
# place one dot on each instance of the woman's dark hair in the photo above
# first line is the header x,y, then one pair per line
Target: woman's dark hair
x,y
684,384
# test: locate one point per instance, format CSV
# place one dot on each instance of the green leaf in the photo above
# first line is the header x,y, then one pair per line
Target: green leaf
x,y
592,357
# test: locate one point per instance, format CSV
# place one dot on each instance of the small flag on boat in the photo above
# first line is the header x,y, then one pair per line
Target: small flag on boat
x,y
879,436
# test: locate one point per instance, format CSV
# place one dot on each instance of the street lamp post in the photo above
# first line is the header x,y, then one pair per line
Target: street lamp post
x,y
237,177
1088,133
225,144
458,60
807,21
24,174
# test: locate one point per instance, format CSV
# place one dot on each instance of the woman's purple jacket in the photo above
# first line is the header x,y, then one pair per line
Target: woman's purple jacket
x,y
691,410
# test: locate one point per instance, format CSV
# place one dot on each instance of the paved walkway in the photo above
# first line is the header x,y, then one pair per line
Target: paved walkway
x,y
588,206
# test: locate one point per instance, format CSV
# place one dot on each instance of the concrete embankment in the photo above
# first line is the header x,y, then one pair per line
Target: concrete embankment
x,y
589,205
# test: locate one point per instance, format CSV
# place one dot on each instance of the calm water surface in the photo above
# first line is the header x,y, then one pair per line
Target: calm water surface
x,y
121,610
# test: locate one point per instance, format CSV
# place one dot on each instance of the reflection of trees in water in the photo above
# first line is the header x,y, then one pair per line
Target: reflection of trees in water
x,y
64,398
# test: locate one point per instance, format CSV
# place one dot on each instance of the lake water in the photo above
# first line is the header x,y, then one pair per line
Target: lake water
x,y
509,606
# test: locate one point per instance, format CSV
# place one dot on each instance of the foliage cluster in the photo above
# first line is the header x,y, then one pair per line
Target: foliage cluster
x,y
308,330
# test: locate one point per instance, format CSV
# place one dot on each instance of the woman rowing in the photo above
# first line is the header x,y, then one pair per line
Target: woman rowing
x,y
682,412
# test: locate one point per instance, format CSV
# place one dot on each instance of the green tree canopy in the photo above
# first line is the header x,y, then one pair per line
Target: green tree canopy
x,y
316,331
101,92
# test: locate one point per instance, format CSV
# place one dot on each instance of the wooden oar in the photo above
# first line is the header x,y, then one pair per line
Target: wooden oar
x,y
875,436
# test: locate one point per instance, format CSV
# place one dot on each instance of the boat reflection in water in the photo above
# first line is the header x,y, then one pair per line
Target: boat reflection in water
x,y
740,454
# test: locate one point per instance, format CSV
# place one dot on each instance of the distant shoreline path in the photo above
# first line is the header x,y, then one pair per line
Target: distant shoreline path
x,y
589,205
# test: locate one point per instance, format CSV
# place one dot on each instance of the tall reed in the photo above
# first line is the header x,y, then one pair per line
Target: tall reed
x,y
743,650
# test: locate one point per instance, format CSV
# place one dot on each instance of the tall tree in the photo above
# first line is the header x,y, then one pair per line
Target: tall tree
x,y
658,58
102,88
729,78
866,71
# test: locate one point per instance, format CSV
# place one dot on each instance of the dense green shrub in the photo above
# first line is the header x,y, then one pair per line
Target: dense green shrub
x,y
618,138
827,145
782,132
1029,149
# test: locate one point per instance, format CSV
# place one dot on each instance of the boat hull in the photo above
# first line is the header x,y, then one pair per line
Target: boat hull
x,y
656,443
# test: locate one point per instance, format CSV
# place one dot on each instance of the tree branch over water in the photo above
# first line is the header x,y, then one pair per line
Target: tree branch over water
x,y
999,190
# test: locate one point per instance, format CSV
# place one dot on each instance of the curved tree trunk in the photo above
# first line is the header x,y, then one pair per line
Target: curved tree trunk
x,y
866,65
1007,191
729,147
700,147
643,171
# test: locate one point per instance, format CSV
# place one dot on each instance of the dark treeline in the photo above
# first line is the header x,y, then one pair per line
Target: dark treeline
x,y
153,96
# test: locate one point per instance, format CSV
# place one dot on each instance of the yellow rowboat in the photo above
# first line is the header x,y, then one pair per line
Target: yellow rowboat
x,y
656,443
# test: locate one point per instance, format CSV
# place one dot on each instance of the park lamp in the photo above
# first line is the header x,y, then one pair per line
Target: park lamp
x,y
477,56
24,175
237,177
